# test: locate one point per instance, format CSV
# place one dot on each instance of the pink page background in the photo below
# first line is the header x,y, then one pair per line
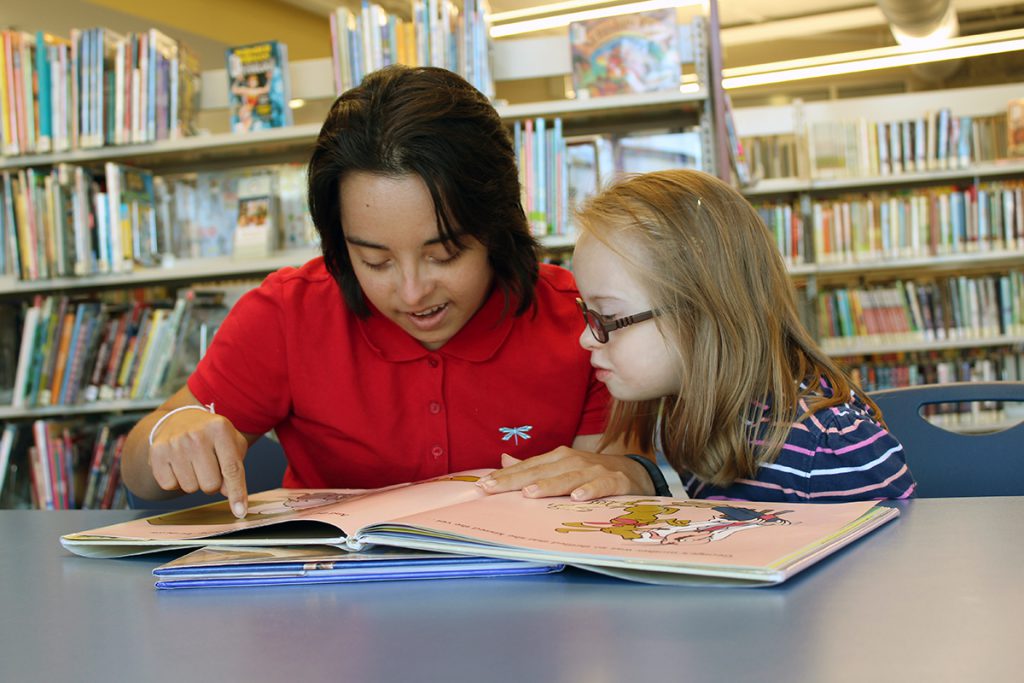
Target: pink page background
x,y
360,509
510,519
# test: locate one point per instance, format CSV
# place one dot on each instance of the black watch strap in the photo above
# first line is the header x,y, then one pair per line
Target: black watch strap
x,y
654,472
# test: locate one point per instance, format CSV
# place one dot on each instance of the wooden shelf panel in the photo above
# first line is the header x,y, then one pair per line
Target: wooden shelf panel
x,y
218,147
777,186
862,347
192,270
610,104
12,413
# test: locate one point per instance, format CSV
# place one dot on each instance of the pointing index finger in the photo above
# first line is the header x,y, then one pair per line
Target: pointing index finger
x,y
229,455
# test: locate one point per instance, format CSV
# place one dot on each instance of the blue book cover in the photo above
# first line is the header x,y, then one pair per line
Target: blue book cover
x,y
258,86
43,79
242,566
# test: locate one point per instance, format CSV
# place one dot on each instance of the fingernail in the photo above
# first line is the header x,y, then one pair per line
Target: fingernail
x,y
578,494
239,510
487,483
531,490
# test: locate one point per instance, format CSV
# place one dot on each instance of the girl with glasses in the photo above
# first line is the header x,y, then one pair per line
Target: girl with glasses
x,y
692,326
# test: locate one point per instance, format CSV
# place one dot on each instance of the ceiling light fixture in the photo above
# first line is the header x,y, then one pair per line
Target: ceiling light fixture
x,y
947,27
550,8
560,20
871,60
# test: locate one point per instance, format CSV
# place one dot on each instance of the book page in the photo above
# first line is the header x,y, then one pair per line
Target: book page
x,y
344,509
644,530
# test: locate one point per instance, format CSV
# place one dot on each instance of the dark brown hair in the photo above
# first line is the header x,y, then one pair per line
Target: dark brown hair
x,y
431,123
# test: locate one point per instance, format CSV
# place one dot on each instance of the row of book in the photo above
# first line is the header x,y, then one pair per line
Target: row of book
x,y
890,371
558,173
773,157
250,212
936,221
65,221
74,351
541,153
785,221
906,311
95,88
873,226
440,33
72,221
935,141
943,367
865,149
63,464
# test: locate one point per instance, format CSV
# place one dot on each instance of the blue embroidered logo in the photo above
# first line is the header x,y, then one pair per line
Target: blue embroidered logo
x,y
515,433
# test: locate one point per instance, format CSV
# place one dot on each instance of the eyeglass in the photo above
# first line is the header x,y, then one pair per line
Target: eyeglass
x,y
601,325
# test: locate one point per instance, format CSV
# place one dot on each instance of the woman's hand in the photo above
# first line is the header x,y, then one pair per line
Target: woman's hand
x,y
582,475
194,450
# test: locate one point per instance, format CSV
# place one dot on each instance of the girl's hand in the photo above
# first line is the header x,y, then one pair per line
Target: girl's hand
x,y
566,471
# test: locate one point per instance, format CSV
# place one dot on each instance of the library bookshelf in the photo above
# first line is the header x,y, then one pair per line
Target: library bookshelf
x,y
938,299
54,414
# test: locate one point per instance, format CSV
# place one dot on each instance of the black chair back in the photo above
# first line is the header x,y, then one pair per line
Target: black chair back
x,y
952,464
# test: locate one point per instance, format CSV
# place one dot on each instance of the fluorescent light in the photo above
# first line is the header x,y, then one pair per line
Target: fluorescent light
x,y
551,8
560,20
984,39
870,60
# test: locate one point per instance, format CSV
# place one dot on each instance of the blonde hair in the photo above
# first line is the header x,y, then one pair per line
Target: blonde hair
x,y
707,261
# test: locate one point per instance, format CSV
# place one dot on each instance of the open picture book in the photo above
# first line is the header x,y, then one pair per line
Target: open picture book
x,y
640,538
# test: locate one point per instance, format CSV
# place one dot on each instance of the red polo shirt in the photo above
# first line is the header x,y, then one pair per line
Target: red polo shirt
x,y
360,403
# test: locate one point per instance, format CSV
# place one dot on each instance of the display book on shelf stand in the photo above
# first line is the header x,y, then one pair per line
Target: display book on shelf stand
x,y
259,86
922,204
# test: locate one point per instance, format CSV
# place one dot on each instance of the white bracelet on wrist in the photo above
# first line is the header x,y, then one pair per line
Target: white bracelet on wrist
x,y
205,408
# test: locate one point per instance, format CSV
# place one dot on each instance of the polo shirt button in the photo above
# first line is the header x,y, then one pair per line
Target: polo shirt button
x,y
433,362
435,407
437,451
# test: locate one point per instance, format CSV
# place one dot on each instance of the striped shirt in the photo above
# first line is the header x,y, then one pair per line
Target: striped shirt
x,y
835,454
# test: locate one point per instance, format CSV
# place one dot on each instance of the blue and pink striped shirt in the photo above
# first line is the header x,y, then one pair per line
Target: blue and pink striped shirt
x,y
836,454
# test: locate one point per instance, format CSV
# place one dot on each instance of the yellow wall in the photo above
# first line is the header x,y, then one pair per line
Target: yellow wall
x,y
236,22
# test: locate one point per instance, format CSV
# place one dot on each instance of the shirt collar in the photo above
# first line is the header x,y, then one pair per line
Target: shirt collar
x,y
478,340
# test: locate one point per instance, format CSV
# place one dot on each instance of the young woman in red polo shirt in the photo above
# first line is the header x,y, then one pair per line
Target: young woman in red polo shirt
x,y
427,339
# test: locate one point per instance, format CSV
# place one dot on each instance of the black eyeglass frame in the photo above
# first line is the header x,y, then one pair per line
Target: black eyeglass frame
x,y
600,326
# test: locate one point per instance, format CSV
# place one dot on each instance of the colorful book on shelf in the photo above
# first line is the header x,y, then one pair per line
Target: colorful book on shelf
x,y
1015,128
11,313
632,53
640,538
737,156
255,234
280,566
258,86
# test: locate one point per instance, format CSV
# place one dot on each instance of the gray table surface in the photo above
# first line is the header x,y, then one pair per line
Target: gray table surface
x,y
934,596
